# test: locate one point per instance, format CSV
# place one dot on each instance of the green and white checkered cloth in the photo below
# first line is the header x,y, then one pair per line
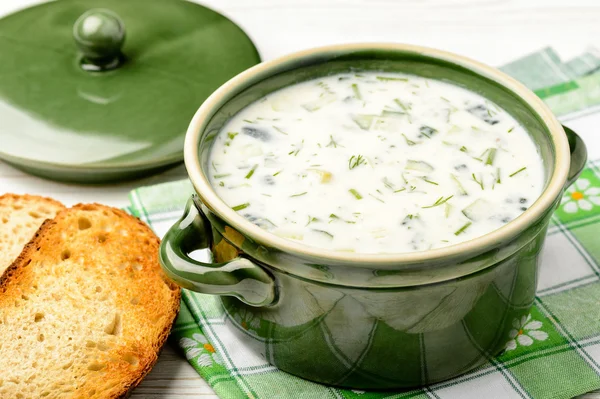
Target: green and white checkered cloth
x,y
553,352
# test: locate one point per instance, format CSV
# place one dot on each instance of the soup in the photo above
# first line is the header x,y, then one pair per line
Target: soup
x,y
375,162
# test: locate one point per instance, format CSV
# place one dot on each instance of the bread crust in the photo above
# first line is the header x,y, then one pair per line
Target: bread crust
x,y
129,234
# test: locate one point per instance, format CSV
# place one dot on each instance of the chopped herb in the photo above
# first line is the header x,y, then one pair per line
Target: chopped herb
x,y
222,184
248,121
445,99
438,202
355,193
334,216
408,141
378,199
332,142
232,135
386,112
276,173
427,131
323,232
387,78
463,228
447,209
405,107
356,91
387,183
404,178
420,166
511,129
266,195
518,171
279,130
480,182
498,176
402,189
311,219
464,149
356,160
491,156
222,175
428,181
461,189
298,195
249,175
241,206
214,167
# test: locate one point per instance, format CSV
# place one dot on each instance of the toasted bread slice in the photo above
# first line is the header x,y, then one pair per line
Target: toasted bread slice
x,y
85,308
20,217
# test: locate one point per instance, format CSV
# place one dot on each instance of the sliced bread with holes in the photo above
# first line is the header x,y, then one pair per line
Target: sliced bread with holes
x,y
20,217
85,308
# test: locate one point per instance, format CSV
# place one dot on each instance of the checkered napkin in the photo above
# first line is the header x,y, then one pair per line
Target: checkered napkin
x,y
552,352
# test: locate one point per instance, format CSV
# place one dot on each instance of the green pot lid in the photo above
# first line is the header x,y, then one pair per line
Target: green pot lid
x,y
101,90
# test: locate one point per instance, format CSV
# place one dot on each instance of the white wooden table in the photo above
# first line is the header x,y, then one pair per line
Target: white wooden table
x,y
491,31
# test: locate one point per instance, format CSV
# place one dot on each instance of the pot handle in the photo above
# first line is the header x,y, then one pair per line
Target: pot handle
x,y
578,155
238,277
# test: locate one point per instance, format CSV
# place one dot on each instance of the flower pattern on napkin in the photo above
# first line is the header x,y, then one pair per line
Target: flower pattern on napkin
x,y
581,196
525,332
198,349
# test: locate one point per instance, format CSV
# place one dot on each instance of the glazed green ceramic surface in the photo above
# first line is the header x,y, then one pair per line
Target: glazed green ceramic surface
x,y
409,323
63,122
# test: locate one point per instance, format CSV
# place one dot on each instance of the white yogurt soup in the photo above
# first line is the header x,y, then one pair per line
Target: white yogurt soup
x,y
376,162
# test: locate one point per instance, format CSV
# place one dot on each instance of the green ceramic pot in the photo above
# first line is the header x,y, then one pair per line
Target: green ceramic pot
x,y
369,321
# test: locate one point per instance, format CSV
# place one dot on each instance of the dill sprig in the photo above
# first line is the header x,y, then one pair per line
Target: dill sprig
x,y
355,161
438,202
279,130
333,143
480,182
299,194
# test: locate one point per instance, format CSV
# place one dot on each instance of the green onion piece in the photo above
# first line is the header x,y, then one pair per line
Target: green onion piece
x,y
462,229
491,156
447,209
356,91
241,206
249,175
464,149
355,193
298,195
402,189
518,171
222,175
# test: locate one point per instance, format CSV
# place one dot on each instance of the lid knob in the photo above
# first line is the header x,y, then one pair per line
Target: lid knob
x,y
99,34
